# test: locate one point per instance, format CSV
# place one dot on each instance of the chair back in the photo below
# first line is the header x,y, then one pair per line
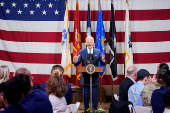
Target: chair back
x,y
74,107
140,109
68,110
130,108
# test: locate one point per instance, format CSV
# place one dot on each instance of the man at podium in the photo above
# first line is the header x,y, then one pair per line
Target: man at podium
x,y
90,55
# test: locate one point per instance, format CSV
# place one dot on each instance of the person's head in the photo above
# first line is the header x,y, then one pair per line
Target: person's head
x,y
143,76
132,72
25,83
14,89
166,99
159,75
89,42
57,70
163,66
56,86
26,72
4,73
166,78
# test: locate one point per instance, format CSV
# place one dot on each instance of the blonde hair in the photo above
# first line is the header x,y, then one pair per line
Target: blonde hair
x,y
4,73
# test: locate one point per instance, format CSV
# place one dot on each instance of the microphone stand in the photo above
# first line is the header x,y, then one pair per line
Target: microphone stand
x,y
90,61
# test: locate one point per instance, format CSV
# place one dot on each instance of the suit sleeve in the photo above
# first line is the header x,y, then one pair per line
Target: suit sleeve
x,y
79,60
101,61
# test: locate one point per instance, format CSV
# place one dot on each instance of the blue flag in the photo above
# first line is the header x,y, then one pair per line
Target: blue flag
x,y
100,37
88,21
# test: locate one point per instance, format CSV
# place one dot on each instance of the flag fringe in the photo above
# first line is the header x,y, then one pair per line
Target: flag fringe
x,y
127,55
78,77
75,51
69,65
102,75
67,74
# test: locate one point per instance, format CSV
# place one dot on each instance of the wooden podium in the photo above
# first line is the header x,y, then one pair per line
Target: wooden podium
x,y
85,69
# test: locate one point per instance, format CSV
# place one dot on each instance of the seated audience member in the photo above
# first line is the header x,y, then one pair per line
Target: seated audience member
x,y
157,95
149,88
12,93
135,91
60,70
163,66
56,89
127,82
4,75
160,66
34,101
166,101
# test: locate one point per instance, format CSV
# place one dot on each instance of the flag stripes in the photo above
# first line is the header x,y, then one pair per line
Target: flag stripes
x,y
145,36
36,44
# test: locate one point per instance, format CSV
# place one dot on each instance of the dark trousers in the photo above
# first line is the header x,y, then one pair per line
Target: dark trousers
x,y
86,95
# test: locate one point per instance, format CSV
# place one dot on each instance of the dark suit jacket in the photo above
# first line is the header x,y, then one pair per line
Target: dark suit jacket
x,y
85,77
69,94
123,89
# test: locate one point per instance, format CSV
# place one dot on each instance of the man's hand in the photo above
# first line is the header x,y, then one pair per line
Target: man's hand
x,y
76,58
103,57
153,79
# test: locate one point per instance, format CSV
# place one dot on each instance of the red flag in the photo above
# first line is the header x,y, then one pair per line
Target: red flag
x,y
77,38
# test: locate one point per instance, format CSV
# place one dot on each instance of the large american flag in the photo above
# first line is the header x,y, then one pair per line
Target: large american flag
x,y
31,31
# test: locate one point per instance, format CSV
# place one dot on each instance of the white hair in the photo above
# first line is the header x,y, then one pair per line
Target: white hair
x,y
90,37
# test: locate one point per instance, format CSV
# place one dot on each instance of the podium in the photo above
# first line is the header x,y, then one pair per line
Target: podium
x,y
90,69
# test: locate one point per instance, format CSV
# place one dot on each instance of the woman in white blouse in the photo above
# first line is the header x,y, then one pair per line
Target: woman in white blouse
x,y
56,88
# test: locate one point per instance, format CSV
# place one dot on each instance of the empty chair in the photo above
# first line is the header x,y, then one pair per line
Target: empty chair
x,y
139,109
71,108
130,107
74,107
68,110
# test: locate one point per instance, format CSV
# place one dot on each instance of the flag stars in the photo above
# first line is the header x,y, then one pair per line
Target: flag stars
x,y
14,4
38,5
2,4
19,11
56,12
25,5
31,12
7,11
44,12
50,5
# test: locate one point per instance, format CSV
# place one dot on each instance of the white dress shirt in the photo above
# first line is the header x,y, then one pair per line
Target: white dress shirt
x,y
88,50
134,94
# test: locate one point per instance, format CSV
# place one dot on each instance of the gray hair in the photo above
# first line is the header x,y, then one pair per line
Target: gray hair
x,y
131,71
90,37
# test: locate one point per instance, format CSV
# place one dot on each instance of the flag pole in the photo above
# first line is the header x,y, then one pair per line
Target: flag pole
x,y
112,80
76,66
99,75
125,58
